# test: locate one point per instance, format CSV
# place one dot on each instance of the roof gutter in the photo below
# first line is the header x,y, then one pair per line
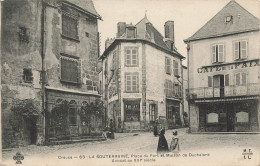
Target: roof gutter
x,y
220,35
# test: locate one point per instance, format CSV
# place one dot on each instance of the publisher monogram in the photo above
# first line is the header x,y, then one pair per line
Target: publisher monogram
x,y
247,153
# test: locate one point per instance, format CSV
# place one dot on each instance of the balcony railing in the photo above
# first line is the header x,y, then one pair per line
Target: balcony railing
x,y
233,90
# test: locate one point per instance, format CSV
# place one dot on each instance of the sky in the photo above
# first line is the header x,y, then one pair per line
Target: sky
x,y
188,15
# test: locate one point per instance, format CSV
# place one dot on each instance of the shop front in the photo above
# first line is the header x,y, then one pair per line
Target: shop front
x,y
173,113
132,114
72,116
228,116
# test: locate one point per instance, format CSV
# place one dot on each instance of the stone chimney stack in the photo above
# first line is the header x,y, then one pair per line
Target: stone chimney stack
x,y
169,34
121,28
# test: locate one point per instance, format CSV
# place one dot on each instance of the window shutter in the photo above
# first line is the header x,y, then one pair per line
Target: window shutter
x,y
209,81
243,79
165,64
221,53
237,76
236,50
227,80
243,48
69,70
176,67
213,53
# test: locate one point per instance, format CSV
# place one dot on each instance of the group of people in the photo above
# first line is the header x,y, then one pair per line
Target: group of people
x,y
163,145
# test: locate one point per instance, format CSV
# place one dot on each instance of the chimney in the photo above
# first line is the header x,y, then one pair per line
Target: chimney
x,y
169,34
121,28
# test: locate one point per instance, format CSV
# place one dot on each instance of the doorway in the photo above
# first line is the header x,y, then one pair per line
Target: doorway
x,y
30,130
218,83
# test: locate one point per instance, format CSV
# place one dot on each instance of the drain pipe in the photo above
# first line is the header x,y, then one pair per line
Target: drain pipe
x,y
43,72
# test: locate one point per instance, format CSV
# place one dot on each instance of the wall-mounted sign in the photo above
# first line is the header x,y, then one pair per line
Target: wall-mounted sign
x,y
230,66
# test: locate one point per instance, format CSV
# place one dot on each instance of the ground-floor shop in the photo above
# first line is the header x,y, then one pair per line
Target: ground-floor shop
x,y
225,116
73,115
131,114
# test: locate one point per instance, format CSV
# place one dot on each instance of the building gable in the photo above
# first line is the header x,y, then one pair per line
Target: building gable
x,y
232,19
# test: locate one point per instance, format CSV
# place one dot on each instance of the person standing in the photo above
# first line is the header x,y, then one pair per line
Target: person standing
x,y
155,128
174,147
162,143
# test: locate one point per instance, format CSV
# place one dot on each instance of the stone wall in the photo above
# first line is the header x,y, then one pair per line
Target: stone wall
x,y
20,49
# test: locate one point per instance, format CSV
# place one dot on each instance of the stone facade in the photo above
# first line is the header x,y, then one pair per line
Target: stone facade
x,y
37,51
135,89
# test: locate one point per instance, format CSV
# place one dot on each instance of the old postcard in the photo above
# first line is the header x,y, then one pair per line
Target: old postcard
x,y
130,82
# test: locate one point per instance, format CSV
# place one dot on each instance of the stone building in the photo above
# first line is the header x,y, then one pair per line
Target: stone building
x,y
49,75
141,69
224,72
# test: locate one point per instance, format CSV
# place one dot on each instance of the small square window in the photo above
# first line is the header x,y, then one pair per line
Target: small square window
x,y
23,35
228,19
27,75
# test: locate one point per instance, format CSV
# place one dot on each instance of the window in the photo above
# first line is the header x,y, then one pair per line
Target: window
x,y
152,112
176,68
131,82
228,19
241,79
167,65
242,117
212,118
132,110
70,69
218,53
27,75
131,57
240,49
69,26
23,35
130,32
209,81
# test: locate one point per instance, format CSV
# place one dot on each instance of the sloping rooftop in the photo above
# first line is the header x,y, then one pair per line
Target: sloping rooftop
x,y
241,21
86,5
146,31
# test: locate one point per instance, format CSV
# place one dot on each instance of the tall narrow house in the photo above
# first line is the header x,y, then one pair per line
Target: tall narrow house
x,y
224,72
142,76
49,71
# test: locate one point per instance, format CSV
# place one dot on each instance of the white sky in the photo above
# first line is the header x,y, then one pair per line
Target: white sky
x,y
188,15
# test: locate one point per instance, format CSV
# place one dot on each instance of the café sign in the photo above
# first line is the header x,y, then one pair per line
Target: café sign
x,y
230,66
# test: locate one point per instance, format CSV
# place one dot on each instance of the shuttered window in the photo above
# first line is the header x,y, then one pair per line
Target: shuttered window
x,y
167,65
241,79
70,70
69,26
176,68
240,49
218,53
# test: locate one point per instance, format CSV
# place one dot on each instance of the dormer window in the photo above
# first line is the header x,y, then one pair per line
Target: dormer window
x,y
131,32
228,19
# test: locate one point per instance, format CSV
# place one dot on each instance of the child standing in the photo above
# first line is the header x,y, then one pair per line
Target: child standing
x,y
174,147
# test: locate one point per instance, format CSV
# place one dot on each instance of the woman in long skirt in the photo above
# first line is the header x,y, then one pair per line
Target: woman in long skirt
x,y
162,143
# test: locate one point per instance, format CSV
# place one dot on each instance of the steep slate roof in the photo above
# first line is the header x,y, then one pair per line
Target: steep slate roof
x,y
146,32
242,21
86,5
